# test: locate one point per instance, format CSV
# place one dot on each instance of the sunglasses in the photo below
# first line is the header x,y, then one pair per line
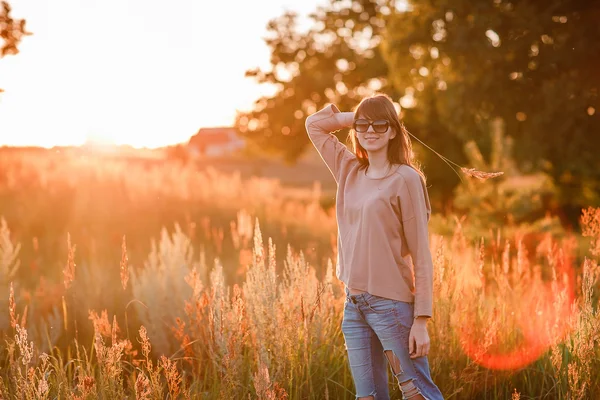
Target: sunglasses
x,y
379,126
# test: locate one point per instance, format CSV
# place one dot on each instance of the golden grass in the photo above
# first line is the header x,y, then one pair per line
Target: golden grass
x,y
510,320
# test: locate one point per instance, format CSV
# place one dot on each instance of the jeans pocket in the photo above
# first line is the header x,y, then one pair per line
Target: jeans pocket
x,y
405,313
381,305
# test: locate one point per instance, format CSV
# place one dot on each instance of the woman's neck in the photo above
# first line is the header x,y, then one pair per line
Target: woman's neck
x,y
378,161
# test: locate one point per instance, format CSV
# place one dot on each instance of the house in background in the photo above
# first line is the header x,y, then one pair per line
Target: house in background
x,y
214,142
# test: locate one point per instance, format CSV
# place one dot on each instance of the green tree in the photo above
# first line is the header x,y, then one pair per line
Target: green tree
x,y
534,64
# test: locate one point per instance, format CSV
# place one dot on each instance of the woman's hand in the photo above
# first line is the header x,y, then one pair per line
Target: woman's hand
x,y
418,340
344,119
329,119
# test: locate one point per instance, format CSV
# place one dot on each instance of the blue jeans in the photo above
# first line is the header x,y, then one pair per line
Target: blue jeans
x,y
373,325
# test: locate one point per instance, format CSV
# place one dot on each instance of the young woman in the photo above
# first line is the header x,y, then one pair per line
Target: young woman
x,y
382,214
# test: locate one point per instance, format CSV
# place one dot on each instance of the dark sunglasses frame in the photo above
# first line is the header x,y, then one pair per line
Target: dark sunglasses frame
x,y
379,125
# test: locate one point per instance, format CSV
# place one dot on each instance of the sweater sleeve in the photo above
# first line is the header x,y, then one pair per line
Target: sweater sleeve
x,y
319,127
416,211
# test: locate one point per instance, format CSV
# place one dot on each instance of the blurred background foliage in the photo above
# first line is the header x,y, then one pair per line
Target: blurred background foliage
x,y
453,67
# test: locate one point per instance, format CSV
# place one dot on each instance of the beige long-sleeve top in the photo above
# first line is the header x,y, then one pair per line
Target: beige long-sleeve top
x,y
382,223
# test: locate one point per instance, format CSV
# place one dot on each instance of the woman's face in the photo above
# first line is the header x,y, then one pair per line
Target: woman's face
x,y
373,135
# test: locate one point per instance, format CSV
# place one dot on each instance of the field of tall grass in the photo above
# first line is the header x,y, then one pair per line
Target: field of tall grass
x,y
153,280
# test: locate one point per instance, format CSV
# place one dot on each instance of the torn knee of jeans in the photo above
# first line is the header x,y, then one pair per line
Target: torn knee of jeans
x,y
394,363
370,396
409,389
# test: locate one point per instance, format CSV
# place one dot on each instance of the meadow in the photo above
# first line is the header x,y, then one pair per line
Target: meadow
x,y
152,279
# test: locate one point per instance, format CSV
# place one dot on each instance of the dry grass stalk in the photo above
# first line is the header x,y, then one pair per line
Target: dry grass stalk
x,y
86,386
100,322
265,389
25,349
194,281
12,307
164,273
142,387
171,375
9,263
260,292
590,222
586,334
153,373
516,395
124,266
69,270
472,172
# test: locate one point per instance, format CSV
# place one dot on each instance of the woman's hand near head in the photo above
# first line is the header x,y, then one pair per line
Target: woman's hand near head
x,y
344,119
329,119
319,126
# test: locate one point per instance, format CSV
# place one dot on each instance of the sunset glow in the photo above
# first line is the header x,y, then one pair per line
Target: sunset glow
x,y
132,72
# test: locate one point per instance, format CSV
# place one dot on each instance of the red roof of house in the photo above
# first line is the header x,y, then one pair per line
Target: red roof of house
x,y
213,136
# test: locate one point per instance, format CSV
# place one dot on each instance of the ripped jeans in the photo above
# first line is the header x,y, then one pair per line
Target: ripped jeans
x,y
372,325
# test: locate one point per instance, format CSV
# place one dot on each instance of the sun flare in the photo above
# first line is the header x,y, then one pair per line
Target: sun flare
x,y
147,84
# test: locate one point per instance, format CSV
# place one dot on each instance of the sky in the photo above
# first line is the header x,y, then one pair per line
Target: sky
x,y
138,72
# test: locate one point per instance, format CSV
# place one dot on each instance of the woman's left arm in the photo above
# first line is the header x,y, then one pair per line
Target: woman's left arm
x,y
416,211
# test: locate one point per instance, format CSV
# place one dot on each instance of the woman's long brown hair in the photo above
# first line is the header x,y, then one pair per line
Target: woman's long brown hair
x,y
400,151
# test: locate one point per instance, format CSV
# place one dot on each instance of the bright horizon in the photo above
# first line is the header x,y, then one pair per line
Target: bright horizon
x,y
131,71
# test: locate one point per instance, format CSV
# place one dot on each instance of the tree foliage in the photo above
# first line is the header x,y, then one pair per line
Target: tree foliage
x,y
532,63
11,31
454,66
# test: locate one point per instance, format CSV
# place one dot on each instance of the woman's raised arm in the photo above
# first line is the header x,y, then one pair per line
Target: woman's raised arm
x,y
319,127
